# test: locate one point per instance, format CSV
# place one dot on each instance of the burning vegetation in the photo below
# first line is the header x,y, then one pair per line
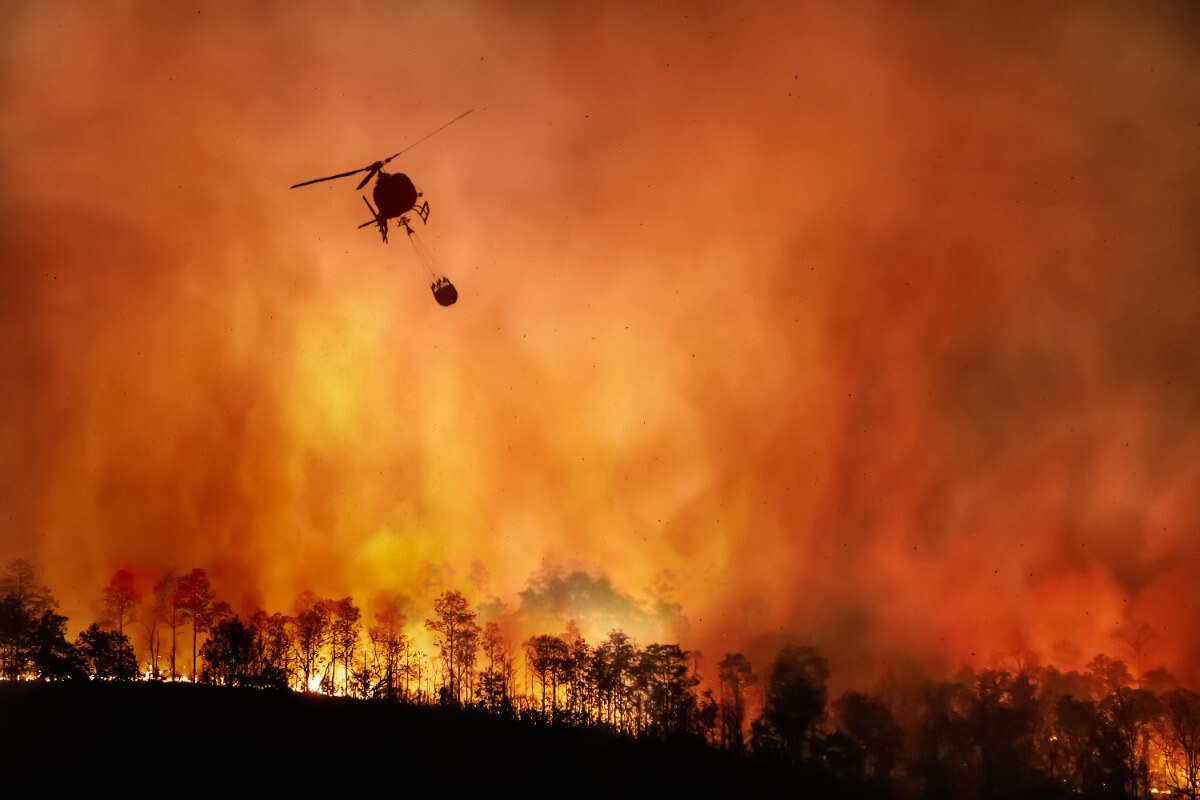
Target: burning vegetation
x,y
1021,729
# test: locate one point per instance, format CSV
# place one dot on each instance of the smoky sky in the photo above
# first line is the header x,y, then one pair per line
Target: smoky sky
x,y
871,327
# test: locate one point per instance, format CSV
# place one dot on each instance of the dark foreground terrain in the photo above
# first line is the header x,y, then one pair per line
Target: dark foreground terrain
x,y
231,742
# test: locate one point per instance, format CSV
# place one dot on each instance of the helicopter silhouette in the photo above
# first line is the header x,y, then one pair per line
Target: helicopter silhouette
x,y
396,196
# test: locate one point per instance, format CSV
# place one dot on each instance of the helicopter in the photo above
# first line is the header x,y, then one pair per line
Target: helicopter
x,y
395,196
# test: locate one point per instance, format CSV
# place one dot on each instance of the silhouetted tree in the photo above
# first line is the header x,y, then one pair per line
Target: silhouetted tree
x,y
575,672
344,628
1058,751
23,605
1097,747
495,681
120,600
945,760
1055,684
416,673
868,721
149,621
1131,715
194,598
466,656
707,715
613,667
107,655
1005,717
54,658
167,610
1080,748
274,648
1107,675
16,638
311,622
734,676
219,612
796,697
671,707
232,654
1179,729
19,581
457,636
362,679
388,644
544,655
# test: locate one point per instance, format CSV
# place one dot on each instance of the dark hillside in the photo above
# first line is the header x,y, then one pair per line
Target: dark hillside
x,y
244,739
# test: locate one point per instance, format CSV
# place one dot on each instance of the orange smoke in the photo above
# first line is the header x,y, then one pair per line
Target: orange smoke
x,y
873,328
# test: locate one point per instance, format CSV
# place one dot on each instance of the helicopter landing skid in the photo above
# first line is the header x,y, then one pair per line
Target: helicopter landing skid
x,y
379,220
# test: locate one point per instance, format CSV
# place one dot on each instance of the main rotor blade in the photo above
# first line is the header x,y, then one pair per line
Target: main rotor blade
x,y
374,168
331,177
371,169
426,136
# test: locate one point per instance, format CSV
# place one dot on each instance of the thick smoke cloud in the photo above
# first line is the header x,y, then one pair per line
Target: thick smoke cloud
x,y
872,327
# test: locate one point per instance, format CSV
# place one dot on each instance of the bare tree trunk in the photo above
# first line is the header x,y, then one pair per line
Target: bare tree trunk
x,y
195,630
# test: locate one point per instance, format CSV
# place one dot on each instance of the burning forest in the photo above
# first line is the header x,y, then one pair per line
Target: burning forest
x,y
1021,729
851,350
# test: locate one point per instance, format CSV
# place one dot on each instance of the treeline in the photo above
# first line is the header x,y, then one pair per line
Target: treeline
x,y
1025,731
